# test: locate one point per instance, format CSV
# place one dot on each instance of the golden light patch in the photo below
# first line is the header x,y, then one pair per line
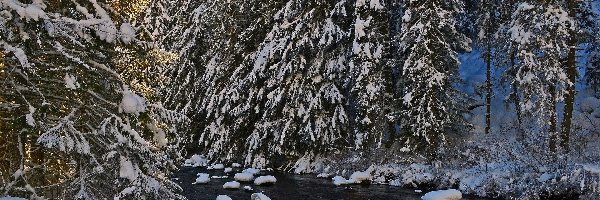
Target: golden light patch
x,y
131,8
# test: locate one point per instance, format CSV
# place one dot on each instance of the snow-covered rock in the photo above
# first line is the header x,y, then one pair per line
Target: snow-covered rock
x,y
223,197
251,171
259,196
248,188
202,178
228,169
196,160
450,194
236,165
232,185
243,177
261,180
359,177
217,166
338,180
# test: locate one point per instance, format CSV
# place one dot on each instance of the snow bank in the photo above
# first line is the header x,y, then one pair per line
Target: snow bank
x,y
243,177
223,197
251,171
261,180
259,196
202,178
231,185
451,194
196,161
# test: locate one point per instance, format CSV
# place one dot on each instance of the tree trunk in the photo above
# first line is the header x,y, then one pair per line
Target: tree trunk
x,y
571,66
488,85
552,131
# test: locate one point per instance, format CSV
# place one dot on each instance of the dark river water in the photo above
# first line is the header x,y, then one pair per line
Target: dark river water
x,y
288,187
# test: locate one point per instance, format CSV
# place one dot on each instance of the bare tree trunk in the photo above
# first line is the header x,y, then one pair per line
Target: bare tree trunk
x,y
488,85
516,100
553,130
571,66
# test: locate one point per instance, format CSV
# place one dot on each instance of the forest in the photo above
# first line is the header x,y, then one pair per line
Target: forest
x,y
107,99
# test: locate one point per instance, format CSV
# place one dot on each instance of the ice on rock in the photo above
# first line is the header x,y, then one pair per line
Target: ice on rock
x,y
232,185
251,171
131,102
223,197
196,160
261,180
243,177
451,194
228,169
259,196
202,178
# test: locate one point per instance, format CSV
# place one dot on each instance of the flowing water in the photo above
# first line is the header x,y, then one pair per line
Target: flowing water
x,y
288,187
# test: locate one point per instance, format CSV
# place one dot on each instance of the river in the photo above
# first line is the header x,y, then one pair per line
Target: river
x,y
288,187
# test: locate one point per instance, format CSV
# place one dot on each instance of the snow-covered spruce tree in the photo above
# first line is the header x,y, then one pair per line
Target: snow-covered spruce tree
x,y
291,86
77,103
429,42
538,32
370,96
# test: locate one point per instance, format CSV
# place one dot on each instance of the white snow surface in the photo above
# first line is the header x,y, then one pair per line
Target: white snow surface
x,y
202,178
251,171
232,185
338,180
196,161
259,196
127,170
71,82
359,177
264,180
228,169
223,197
127,33
217,166
450,194
243,177
131,102
12,198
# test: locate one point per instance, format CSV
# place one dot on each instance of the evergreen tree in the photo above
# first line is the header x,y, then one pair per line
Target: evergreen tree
x,y
429,42
80,89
